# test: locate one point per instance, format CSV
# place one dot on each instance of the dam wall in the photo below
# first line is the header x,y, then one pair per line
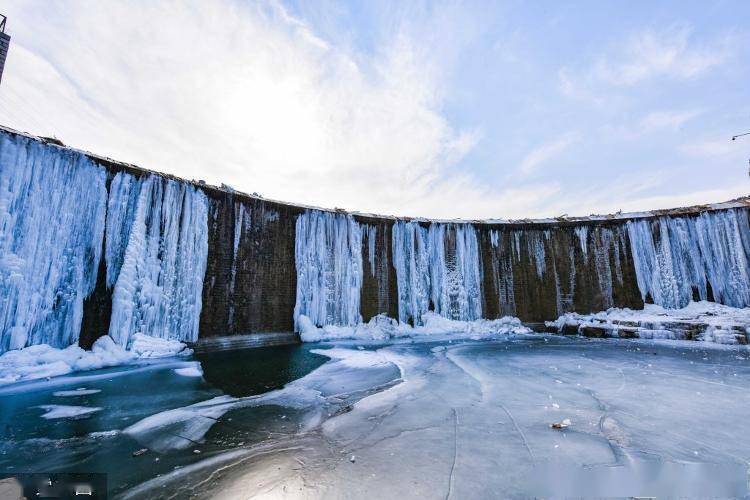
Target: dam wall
x,y
90,246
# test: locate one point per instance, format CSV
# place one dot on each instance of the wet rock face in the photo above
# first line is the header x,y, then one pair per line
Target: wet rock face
x,y
250,282
379,293
541,273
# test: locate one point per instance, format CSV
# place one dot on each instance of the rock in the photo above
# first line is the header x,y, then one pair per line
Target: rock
x,y
561,425
593,331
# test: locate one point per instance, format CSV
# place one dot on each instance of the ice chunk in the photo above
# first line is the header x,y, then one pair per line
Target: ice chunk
x,y
190,371
63,411
152,347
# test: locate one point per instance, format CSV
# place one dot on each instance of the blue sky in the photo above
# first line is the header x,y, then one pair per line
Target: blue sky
x,y
443,109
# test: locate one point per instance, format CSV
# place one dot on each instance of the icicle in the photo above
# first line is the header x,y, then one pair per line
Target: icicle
x,y
159,288
52,209
240,220
583,234
434,274
371,233
601,241
495,238
467,265
690,254
536,248
517,241
412,270
328,255
124,192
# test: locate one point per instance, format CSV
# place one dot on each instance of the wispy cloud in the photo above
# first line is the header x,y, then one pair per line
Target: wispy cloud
x,y
545,152
667,52
671,120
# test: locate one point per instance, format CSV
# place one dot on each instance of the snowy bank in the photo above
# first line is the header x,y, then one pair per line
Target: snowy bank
x,y
702,320
382,327
43,361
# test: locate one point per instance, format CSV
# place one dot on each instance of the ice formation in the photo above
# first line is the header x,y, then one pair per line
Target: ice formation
x,y
42,361
52,209
702,320
683,258
382,327
158,252
328,255
437,269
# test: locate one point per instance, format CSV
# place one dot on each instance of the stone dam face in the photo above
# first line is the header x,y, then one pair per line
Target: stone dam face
x,y
90,247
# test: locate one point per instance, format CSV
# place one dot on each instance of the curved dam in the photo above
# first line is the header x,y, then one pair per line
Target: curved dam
x,y
92,247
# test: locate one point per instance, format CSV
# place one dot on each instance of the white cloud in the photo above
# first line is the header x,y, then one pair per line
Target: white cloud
x,y
671,120
654,53
241,93
546,152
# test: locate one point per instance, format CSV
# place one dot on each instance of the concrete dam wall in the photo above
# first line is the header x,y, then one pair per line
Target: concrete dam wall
x,y
91,247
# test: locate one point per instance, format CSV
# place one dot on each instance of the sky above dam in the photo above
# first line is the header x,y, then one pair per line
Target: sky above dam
x,y
440,109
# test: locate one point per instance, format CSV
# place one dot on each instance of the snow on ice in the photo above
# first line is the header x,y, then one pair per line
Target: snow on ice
x,y
382,327
43,361
709,321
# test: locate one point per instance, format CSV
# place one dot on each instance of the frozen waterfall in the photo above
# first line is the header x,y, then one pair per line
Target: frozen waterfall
x,y
681,258
328,256
157,246
52,210
437,268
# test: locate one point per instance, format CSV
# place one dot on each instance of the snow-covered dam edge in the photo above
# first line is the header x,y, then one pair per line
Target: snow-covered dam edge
x,y
91,247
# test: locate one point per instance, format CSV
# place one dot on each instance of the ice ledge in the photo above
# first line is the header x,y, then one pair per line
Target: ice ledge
x,y
701,321
252,340
742,202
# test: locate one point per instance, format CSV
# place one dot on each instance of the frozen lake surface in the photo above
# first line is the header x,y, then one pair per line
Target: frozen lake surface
x,y
409,419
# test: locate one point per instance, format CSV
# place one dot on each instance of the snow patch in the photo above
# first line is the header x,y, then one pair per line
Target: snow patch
x,y
710,321
382,327
43,361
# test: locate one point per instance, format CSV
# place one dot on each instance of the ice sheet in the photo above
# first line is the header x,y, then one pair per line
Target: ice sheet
x,y
81,391
474,420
